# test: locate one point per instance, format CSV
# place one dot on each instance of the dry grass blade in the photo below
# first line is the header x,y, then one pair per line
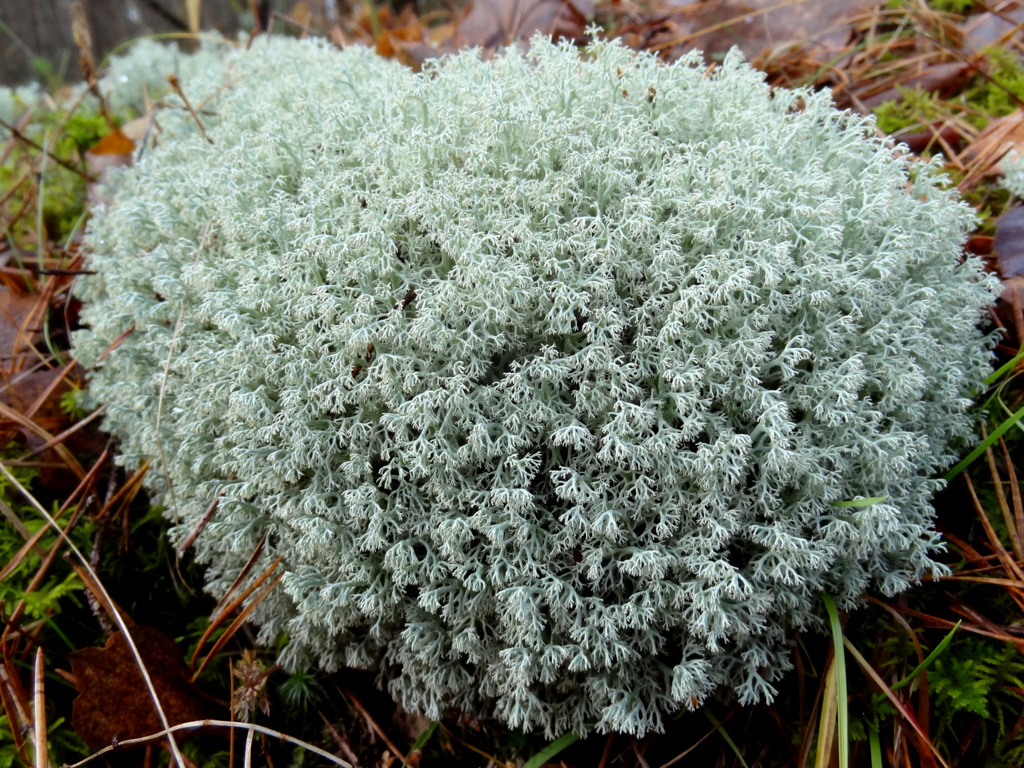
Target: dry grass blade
x,y
197,724
87,482
127,493
49,390
69,458
59,160
248,748
746,17
936,622
15,715
176,86
237,623
115,344
203,522
21,554
922,678
1010,567
342,744
101,591
827,719
1015,495
39,712
111,608
383,736
56,440
231,713
1004,506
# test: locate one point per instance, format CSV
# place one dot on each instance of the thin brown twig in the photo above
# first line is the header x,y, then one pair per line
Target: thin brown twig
x,y
62,436
380,731
196,724
59,160
176,85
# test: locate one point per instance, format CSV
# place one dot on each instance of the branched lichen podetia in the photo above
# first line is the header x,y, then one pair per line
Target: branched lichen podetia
x,y
543,375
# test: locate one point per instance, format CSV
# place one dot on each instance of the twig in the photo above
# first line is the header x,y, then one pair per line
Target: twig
x,y
194,724
176,85
60,161
59,438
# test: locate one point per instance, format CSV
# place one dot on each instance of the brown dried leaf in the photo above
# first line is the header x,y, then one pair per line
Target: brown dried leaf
x,y
491,24
990,28
762,29
943,79
113,701
112,151
20,327
1009,243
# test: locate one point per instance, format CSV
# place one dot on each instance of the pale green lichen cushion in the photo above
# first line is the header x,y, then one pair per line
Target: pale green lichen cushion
x,y
541,374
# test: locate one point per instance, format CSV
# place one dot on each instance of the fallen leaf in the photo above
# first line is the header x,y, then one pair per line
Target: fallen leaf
x,y
114,143
492,24
761,29
20,328
113,701
1008,245
943,79
993,28
1009,310
1008,259
112,151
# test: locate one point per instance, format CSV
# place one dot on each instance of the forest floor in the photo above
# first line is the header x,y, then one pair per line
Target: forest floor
x,y
934,677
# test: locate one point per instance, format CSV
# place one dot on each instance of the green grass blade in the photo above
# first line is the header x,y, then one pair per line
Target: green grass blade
x,y
929,659
1007,411
843,714
725,735
876,748
860,502
551,750
421,740
1006,368
999,432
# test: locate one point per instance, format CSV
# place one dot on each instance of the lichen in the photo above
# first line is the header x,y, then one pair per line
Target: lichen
x,y
546,376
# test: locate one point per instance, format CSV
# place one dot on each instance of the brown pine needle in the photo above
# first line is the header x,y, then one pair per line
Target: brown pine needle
x,y
237,624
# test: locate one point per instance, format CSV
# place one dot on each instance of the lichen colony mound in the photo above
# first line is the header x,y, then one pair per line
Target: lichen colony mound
x,y
543,375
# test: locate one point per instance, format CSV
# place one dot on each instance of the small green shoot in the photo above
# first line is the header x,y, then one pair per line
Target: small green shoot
x,y
725,735
550,750
930,658
843,716
1001,430
421,740
860,502
875,747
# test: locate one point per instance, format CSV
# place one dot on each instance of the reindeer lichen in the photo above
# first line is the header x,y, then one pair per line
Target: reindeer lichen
x,y
546,376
